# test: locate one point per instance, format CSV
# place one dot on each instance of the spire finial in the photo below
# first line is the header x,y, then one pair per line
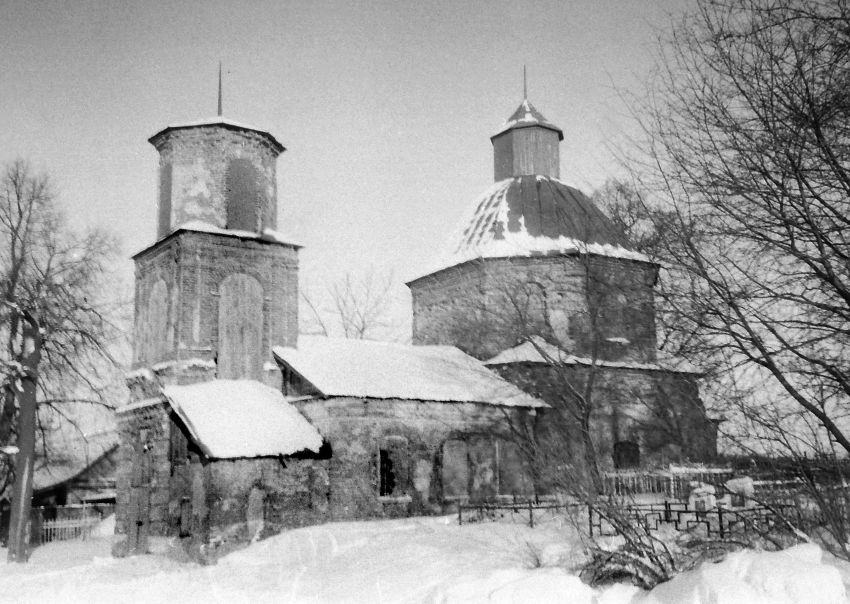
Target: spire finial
x,y
219,88
524,84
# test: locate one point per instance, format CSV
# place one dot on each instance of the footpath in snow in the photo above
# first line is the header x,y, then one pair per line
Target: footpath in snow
x,y
428,560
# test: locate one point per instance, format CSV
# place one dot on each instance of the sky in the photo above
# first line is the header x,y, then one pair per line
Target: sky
x,y
386,108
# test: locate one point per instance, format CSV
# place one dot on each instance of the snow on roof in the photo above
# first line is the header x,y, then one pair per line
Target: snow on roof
x,y
362,368
241,418
541,352
525,116
72,456
218,121
530,216
266,235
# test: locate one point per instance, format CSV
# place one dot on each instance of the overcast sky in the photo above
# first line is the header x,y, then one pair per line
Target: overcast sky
x,y
386,108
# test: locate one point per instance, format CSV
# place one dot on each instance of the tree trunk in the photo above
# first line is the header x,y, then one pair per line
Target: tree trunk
x,y
22,492
589,450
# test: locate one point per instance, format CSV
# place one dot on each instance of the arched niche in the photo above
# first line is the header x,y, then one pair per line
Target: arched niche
x,y
152,330
240,328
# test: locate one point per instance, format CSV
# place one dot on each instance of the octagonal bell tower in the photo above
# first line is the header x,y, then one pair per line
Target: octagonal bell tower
x,y
218,288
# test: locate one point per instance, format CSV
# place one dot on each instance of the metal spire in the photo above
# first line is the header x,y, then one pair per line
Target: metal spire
x,y
219,88
524,84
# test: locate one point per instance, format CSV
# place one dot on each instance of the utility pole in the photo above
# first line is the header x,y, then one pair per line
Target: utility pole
x,y
26,396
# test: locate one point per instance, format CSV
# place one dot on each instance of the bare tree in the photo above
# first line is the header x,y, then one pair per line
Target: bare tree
x,y
52,284
747,148
358,307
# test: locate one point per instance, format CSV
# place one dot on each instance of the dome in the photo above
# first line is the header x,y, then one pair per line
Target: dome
x,y
533,216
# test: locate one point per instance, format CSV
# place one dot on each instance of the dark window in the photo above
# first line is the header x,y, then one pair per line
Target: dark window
x,y
387,473
626,455
393,468
178,446
242,192
185,517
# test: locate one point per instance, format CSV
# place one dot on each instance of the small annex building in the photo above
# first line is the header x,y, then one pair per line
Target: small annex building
x,y
413,429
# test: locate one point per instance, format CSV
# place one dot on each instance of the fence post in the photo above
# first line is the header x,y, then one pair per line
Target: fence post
x,y
459,513
590,519
530,515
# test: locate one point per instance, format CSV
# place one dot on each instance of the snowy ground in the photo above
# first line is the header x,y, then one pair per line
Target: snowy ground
x,y
413,560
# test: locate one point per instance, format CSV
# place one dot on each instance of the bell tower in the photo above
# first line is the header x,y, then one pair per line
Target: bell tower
x,y
219,287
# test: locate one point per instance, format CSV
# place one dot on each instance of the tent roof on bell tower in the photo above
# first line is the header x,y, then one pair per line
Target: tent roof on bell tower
x,y
527,116
222,122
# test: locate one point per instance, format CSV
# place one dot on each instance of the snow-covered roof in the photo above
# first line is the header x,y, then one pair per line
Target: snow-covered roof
x,y
526,116
241,418
533,215
218,121
201,226
266,235
75,454
541,352
362,368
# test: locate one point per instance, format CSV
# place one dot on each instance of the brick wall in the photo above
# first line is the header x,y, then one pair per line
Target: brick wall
x,y
659,411
205,169
357,430
189,268
481,306
142,478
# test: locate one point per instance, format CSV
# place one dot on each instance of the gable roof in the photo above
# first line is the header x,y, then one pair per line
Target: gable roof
x,y
362,368
533,216
241,418
538,351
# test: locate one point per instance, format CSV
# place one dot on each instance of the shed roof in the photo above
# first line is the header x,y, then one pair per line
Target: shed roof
x,y
362,368
241,418
533,215
75,456
538,351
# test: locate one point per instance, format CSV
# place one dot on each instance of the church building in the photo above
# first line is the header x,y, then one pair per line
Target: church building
x,y
238,428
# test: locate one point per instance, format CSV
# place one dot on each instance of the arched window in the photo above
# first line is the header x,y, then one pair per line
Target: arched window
x,y
240,328
514,475
483,468
536,316
255,513
455,470
242,194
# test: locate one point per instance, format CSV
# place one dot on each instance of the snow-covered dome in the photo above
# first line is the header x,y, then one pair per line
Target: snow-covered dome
x,y
532,216
529,211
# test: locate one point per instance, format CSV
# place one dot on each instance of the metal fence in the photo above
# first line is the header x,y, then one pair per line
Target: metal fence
x,y
718,521
668,484
602,519
64,523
